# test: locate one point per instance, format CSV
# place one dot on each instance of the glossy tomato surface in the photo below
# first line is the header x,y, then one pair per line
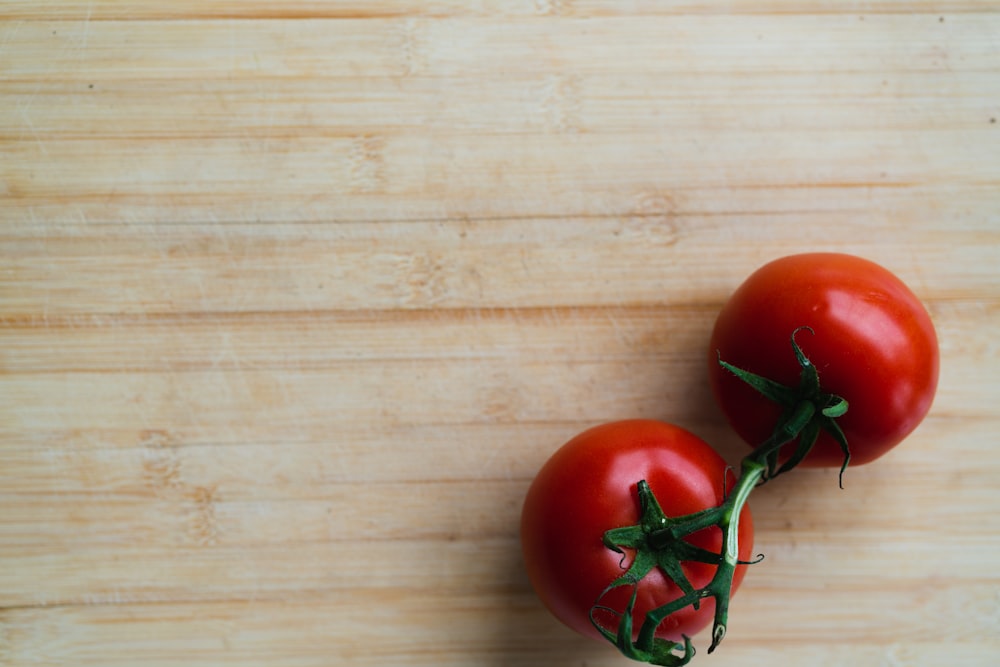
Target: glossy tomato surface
x,y
873,344
588,487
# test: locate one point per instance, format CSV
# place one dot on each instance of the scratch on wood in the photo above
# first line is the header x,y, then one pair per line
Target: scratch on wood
x,y
10,35
625,336
162,471
86,26
501,402
560,104
411,48
204,526
233,62
554,7
28,123
426,278
161,466
652,219
367,164
5,650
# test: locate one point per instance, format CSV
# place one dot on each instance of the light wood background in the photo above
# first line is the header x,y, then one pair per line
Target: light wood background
x,y
296,297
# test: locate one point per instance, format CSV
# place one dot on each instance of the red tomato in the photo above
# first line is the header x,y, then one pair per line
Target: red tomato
x,y
589,487
873,344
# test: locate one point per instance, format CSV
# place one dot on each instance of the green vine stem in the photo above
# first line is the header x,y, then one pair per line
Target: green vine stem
x,y
658,540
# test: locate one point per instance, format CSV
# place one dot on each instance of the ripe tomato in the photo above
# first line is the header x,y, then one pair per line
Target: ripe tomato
x,y
588,487
873,344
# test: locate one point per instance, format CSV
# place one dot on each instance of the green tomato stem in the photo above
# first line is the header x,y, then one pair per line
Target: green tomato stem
x,y
659,541
722,581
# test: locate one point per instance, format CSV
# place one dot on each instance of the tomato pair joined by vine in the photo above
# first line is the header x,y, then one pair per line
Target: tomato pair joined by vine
x,y
637,532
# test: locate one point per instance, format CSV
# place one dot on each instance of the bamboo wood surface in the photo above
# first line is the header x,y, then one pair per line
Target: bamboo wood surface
x,y
295,298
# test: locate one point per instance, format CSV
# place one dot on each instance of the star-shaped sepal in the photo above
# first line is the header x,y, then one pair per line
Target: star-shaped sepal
x,y
656,541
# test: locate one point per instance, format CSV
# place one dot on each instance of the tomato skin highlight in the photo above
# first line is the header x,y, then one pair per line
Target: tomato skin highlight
x,y
587,487
873,343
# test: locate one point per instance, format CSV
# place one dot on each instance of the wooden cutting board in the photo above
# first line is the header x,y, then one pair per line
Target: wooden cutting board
x,y
295,298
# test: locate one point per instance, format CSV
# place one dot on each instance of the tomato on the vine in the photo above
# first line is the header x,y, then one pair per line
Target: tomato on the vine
x,y
588,487
872,343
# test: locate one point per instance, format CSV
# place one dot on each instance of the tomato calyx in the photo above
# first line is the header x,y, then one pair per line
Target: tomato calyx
x,y
806,411
658,541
